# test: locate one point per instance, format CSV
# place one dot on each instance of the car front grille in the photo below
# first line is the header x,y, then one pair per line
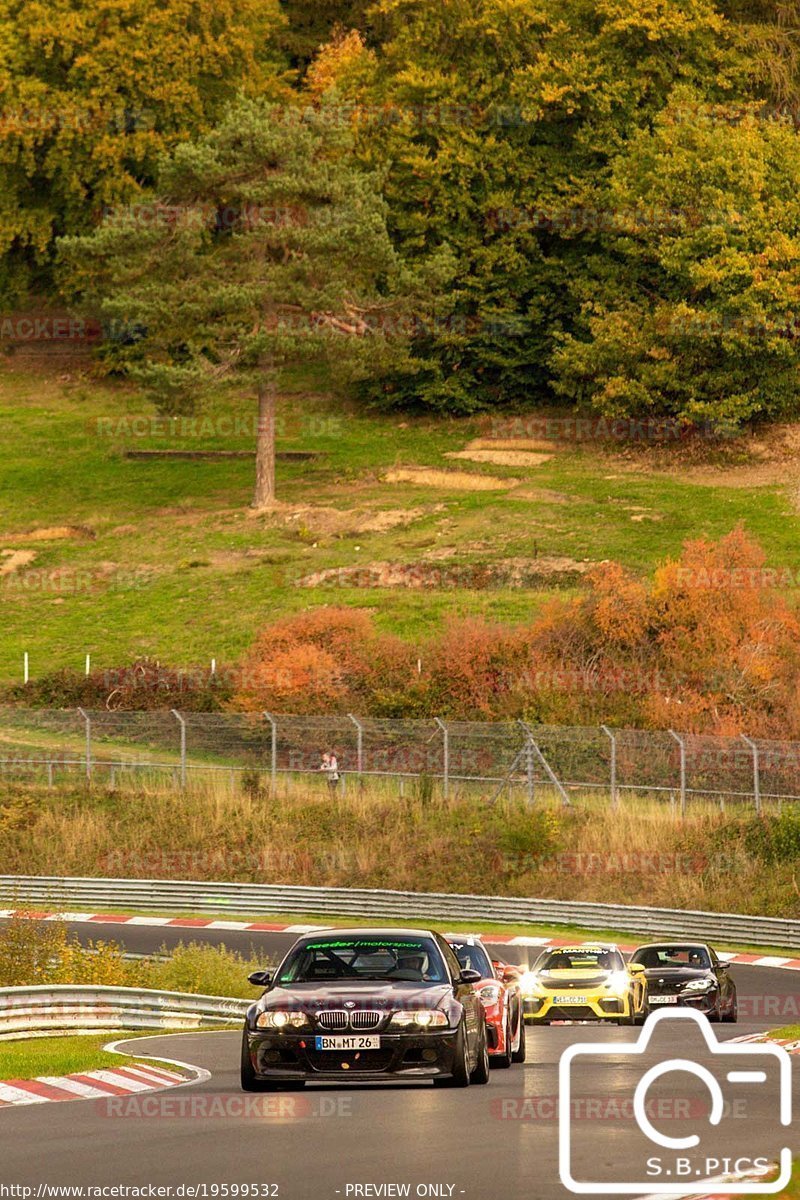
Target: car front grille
x,y
334,1018
365,1019
338,1019
573,985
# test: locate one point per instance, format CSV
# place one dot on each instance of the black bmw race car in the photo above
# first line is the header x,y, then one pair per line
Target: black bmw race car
x,y
357,1004
688,974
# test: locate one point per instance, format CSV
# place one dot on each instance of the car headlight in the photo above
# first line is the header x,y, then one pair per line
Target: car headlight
x,y
280,1019
528,982
618,981
491,994
700,985
425,1018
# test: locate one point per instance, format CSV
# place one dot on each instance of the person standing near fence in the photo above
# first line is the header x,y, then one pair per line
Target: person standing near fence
x,y
330,765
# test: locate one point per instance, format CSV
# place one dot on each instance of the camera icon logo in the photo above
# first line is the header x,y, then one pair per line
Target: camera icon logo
x,y
683,1165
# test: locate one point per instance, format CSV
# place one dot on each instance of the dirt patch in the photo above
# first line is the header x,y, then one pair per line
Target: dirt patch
x,y
545,496
13,560
321,521
514,444
457,481
54,533
502,458
520,573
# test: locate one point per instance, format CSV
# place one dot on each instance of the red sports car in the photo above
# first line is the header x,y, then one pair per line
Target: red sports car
x,y
501,998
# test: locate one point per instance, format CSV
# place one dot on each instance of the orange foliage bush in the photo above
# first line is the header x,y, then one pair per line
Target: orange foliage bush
x,y
709,645
328,659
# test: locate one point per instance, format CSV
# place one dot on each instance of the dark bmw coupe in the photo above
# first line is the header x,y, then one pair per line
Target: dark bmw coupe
x,y
690,975
357,1004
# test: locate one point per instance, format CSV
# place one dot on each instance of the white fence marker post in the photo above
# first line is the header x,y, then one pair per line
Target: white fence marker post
x,y
88,663
25,667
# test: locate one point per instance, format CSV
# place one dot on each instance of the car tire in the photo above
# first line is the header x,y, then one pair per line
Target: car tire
x,y
715,1016
480,1074
460,1077
249,1079
503,1061
518,1055
732,1015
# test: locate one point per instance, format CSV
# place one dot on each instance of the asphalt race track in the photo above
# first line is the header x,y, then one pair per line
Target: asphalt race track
x,y
331,1142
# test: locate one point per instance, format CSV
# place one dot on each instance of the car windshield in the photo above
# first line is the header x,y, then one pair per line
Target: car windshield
x,y
401,959
473,957
692,958
582,960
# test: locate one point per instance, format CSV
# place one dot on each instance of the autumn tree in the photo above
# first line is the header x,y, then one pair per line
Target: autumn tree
x,y
268,248
692,307
92,92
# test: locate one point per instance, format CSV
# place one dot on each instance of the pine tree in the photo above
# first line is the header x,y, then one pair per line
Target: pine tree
x,y
265,247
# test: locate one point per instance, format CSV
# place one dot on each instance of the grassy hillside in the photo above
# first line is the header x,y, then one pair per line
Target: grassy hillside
x,y
163,557
639,855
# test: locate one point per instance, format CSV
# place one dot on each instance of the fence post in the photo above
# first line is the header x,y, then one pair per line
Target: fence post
x,y
274,751
756,771
531,774
612,737
445,756
359,743
682,746
535,748
182,724
88,721
25,673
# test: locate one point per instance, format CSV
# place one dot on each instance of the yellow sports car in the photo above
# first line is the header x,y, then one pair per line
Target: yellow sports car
x,y
584,983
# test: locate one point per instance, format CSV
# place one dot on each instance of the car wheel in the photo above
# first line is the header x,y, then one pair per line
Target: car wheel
x,y
716,1013
504,1060
519,1054
250,1081
460,1076
732,1015
629,1018
481,1071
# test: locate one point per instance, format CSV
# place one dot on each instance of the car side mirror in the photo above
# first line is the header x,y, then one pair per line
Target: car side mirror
x,y
470,976
723,966
636,968
260,978
509,973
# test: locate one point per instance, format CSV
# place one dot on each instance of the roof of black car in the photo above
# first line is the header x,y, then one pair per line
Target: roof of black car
x,y
366,931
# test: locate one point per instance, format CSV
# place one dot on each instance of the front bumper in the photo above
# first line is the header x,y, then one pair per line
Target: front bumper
x,y
287,1056
702,1002
595,1006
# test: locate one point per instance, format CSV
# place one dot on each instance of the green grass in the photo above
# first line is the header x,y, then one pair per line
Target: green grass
x,y
175,539
788,1032
31,1057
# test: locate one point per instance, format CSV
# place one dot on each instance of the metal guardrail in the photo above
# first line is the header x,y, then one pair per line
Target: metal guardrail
x,y
242,899
55,1007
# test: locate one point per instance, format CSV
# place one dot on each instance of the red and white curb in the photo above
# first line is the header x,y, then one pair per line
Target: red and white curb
x,y
88,1085
491,939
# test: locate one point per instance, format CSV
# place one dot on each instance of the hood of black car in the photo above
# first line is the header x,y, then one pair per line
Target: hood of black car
x,y
311,997
677,974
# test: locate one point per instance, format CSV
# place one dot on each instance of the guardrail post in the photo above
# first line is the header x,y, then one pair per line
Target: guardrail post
x,y
612,737
682,746
756,771
88,721
182,724
274,750
445,756
359,744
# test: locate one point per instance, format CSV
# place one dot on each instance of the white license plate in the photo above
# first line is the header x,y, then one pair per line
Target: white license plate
x,y
571,999
663,999
348,1042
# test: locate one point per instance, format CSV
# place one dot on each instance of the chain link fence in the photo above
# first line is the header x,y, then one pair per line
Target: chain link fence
x,y
490,759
